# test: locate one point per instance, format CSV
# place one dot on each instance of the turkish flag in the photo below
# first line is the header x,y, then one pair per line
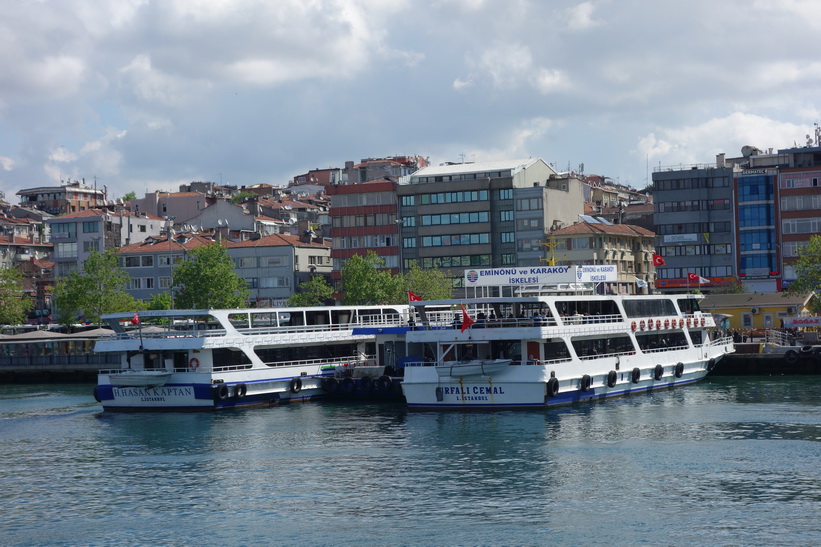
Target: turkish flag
x,y
413,298
466,319
136,319
692,277
658,260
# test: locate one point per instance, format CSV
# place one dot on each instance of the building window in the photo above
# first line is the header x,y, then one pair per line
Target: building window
x,y
132,262
91,227
408,242
506,216
508,237
93,245
165,282
147,261
66,250
508,259
506,193
408,201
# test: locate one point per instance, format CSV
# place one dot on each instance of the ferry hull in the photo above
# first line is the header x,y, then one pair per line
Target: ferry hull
x,y
202,394
526,387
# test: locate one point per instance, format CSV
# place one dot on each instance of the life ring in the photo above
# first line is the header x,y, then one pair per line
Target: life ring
x,y
806,350
791,356
649,324
240,390
658,372
658,324
221,392
385,383
366,384
330,385
194,364
633,326
585,383
635,375
703,320
296,385
552,387
642,326
612,378
666,323
679,370
689,322
347,385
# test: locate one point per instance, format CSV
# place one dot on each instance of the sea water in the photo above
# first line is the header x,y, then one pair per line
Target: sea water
x,y
728,461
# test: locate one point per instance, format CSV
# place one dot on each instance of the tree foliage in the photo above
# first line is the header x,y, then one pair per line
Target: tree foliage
x,y
98,287
427,284
206,280
315,292
129,196
808,273
365,281
14,303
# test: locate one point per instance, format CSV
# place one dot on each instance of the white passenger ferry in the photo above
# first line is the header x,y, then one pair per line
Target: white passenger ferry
x,y
536,349
212,359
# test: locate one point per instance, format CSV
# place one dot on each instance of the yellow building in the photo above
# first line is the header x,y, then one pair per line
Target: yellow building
x,y
755,311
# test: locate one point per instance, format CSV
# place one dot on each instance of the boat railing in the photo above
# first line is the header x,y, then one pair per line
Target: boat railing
x,y
664,349
352,360
156,333
590,357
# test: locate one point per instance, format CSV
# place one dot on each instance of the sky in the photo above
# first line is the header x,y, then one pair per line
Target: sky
x,y
145,95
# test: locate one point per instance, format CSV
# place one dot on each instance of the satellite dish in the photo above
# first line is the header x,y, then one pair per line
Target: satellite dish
x,y
219,222
292,221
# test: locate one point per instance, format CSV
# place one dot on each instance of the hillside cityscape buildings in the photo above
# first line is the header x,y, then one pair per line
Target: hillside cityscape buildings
x,y
740,220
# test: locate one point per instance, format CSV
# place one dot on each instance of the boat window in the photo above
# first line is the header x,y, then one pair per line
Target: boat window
x,y
317,317
649,307
597,311
555,350
273,356
696,336
661,341
589,348
342,317
688,305
263,320
229,357
238,320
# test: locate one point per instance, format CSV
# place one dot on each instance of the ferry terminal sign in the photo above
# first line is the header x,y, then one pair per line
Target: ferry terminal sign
x,y
540,275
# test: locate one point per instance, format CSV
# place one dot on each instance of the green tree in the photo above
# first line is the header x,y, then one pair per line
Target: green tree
x,y
206,280
129,196
243,196
808,273
365,281
427,284
160,301
315,292
14,303
98,287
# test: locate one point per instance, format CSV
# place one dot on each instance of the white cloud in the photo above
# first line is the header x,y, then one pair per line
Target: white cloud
x,y
580,17
7,164
700,143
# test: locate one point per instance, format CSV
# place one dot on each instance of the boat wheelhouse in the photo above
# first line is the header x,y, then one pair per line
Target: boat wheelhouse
x,y
213,359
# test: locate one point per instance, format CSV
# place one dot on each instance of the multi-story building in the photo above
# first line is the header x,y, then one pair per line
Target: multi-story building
x,y
629,248
56,200
488,214
745,218
272,266
364,217
75,235
695,225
